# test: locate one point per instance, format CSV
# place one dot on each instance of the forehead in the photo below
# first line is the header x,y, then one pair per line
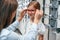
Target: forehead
x,y
31,7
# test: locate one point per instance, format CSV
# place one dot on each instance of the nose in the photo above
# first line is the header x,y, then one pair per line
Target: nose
x,y
29,12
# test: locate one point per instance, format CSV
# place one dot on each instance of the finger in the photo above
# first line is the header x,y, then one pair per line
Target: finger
x,y
37,12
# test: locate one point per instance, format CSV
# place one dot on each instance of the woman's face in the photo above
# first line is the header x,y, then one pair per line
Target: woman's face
x,y
31,11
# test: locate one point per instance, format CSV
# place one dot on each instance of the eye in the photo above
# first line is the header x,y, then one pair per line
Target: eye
x,y
31,10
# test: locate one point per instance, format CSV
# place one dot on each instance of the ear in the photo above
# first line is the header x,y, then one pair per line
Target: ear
x,y
12,16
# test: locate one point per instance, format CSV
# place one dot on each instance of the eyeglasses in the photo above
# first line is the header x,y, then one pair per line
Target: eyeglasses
x,y
30,10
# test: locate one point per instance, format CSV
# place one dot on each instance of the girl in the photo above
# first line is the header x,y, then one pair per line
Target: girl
x,y
32,9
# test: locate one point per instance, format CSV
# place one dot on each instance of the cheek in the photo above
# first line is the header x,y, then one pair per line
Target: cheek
x,y
33,12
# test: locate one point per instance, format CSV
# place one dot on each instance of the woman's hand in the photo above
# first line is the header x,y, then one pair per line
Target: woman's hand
x,y
22,13
38,15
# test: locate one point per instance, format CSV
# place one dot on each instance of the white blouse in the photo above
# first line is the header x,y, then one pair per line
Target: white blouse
x,y
41,27
25,28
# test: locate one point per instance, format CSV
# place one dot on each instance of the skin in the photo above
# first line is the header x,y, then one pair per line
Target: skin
x,y
12,16
31,12
34,14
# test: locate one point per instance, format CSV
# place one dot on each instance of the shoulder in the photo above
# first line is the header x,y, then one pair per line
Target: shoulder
x,y
41,25
4,33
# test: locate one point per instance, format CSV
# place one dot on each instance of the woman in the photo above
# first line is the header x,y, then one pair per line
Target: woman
x,y
32,9
7,13
7,10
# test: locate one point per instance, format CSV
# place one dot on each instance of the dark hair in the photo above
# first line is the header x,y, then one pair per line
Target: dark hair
x,y
35,4
7,7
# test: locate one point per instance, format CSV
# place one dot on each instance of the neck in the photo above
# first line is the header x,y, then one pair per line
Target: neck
x,y
31,19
